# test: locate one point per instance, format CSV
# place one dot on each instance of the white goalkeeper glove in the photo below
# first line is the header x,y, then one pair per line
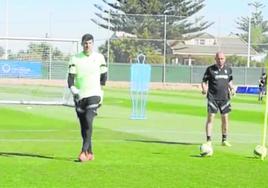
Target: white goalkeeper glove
x,y
232,91
74,91
101,96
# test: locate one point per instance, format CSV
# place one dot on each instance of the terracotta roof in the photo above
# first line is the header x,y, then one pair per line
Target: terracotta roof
x,y
231,45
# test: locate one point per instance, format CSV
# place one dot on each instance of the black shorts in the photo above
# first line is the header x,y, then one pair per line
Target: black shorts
x,y
89,103
262,89
224,106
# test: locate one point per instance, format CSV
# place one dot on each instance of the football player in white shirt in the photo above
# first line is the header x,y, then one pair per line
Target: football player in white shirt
x,y
87,73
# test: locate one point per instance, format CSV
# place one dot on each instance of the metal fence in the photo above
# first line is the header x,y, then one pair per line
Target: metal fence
x,y
52,53
184,74
55,53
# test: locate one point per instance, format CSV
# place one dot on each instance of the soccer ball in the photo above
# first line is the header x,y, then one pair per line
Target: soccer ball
x,y
260,151
206,150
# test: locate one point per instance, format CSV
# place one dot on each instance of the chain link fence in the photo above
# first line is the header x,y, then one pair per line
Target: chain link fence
x,y
53,56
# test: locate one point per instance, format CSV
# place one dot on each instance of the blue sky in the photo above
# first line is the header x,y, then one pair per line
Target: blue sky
x,y
71,19
225,12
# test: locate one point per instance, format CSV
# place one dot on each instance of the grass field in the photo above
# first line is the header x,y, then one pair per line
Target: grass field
x,y
39,145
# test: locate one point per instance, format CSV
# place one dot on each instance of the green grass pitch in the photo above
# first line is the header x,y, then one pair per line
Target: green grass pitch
x,y
39,145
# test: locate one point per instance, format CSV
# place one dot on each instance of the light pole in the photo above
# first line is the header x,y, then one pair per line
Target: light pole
x,y
6,49
249,34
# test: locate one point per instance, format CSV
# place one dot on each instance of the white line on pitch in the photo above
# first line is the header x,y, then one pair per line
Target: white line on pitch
x,y
128,131
36,131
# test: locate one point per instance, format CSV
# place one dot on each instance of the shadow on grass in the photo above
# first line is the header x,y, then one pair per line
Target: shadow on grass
x,y
162,142
253,157
16,154
198,156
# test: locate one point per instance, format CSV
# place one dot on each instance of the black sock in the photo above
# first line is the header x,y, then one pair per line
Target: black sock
x,y
208,138
224,137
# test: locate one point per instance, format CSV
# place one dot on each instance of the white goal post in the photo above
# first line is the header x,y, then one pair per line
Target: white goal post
x,y
35,70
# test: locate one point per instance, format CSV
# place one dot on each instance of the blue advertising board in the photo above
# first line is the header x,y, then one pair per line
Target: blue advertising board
x,y
20,69
248,90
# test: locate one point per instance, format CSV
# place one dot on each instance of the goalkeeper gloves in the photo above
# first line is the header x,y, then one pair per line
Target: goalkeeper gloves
x,y
77,103
74,90
232,91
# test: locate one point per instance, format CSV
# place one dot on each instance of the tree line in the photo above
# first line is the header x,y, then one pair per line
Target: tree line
x,y
141,18
37,51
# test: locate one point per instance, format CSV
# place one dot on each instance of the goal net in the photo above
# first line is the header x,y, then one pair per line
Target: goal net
x,y
34,70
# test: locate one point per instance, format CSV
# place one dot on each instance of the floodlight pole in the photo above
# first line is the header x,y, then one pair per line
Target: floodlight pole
x,y
165,49
249,35
50,47
7,20
108,43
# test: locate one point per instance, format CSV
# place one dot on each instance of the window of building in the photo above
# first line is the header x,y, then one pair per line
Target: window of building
x,y
202,42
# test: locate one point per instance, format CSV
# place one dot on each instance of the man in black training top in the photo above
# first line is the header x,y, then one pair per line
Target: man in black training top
x,y
217,85
262,86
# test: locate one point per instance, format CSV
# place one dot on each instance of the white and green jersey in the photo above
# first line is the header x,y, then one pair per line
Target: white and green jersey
x,y
87,71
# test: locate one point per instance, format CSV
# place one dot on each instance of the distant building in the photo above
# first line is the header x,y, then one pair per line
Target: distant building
x,y
207,45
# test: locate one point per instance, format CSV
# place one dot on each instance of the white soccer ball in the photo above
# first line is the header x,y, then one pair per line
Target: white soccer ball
x,y
206,150
260,151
